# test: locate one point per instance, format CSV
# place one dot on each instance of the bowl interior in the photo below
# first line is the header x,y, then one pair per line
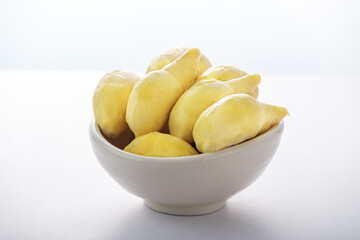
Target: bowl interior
x,y
116,145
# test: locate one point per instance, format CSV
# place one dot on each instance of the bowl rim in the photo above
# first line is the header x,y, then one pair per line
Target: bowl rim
x,y
96,136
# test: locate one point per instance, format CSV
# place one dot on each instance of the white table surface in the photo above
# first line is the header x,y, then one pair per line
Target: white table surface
x,y
52,187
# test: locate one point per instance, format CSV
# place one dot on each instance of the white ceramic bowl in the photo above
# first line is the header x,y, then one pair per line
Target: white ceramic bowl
x,y
191,185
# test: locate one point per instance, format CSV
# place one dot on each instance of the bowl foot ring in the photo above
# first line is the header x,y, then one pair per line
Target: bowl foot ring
x,y
185,210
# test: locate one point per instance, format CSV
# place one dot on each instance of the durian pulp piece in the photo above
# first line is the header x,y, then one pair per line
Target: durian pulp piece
x,y
157,144
225,73
201,96
153,96
232,120
110,100
222,73
166,57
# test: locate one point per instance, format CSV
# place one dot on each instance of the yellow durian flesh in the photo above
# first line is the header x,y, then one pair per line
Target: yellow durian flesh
x,y
192,103
274,114
232,120
204,64
255,92
201,96
150,102
110,100
225,73
164,58
157,144
222,73
153,96
168,56
246,84
184,68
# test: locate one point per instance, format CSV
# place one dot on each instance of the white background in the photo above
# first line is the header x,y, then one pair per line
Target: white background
x,y
307,52
279,36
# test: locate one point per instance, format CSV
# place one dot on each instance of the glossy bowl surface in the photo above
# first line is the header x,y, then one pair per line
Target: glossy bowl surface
x,y
191,185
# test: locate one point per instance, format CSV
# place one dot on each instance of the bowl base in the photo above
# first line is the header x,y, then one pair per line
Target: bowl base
x,y
185,210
